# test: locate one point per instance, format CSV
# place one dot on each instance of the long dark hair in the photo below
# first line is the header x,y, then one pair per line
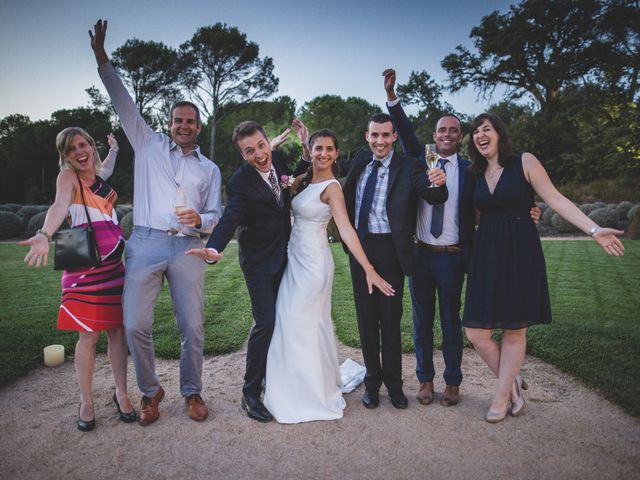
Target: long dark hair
x,y
308,176
505,145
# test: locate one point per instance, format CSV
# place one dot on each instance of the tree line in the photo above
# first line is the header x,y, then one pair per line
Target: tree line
x,y
569,70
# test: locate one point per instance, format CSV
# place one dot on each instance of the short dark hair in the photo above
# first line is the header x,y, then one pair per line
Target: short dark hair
x,y
246,129
505,145
323,133
381,118
185,103
448,115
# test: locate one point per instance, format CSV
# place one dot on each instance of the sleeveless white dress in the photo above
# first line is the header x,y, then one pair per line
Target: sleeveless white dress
x,y
303,376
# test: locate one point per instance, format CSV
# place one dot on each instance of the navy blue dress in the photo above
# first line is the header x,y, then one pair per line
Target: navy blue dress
x,y
507,279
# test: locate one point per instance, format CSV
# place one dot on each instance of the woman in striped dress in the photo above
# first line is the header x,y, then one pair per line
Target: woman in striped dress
x,y
91,297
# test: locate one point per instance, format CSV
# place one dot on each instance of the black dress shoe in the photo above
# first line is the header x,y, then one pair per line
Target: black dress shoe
x,y
129,417
85,425
399,400
255,409
371,400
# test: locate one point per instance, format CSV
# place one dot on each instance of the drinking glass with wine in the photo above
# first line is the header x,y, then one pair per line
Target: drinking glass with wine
x,y
431,156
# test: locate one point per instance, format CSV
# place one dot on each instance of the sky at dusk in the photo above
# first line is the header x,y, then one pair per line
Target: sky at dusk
x,y
323,47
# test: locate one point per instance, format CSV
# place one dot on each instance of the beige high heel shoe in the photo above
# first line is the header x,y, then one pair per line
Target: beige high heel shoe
x,y
518,406
496,417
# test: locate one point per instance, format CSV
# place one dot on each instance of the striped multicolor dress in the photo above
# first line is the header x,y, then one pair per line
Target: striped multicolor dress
x,y
92,297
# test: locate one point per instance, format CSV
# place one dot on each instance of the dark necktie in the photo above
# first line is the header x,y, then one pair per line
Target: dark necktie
x,y
367,200
437,213
274,187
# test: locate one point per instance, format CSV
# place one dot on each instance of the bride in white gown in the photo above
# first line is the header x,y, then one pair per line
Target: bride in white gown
x,y
303,376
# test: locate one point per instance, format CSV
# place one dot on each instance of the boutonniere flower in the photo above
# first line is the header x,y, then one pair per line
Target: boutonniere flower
x,y
286,181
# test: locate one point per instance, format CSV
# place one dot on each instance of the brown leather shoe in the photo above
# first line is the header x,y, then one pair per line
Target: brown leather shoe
x,y
196,408
451,396
149,408
425,395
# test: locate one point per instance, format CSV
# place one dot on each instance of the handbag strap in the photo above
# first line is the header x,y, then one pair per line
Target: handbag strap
x,y
86,210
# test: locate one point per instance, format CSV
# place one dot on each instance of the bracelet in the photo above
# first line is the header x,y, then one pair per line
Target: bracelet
x,y
592,231
44,233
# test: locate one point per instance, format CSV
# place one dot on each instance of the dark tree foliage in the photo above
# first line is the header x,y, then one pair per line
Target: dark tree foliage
x,y
223,69
347,117
151,72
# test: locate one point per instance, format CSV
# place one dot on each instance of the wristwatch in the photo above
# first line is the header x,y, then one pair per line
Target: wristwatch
x,y
593,230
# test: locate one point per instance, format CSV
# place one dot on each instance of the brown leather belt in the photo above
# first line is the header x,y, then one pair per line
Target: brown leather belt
x,y
439,248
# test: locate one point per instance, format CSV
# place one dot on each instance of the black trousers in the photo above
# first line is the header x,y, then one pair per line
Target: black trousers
x,y
378,315
263,290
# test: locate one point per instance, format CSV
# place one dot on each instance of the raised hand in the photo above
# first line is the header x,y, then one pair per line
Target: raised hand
x,y
303,134
97,41
113,143
608,239
39,251
390,84
280,139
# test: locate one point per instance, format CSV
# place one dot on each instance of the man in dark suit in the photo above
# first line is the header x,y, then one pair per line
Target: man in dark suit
x,y
381,193
259,208
439,260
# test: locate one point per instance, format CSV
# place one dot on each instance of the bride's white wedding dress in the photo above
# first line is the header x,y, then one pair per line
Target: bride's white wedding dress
x,y
303,376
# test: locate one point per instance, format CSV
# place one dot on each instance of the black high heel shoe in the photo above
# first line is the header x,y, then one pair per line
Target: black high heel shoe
x,y
129,417
88,425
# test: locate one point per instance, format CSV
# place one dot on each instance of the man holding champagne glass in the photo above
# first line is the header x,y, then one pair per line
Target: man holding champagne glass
x,y
176,195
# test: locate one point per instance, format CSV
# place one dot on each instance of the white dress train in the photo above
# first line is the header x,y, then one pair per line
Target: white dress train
x,y
303,376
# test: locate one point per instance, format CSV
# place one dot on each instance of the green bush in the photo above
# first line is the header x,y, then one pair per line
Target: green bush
x,y
14,207
546,217
43,208
127,225
632,212
122,211
634,227
587,208
561,225
27,212
605,217
10,225
6,208
622,209
37,221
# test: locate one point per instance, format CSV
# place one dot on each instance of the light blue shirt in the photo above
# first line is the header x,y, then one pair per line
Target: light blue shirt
x,y
160,168
378,220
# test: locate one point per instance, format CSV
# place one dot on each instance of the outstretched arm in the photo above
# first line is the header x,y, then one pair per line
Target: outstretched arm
x,y
537,176
39,243
335,199
97,41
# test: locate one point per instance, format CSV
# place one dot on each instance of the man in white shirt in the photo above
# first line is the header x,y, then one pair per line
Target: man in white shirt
x,y
176,195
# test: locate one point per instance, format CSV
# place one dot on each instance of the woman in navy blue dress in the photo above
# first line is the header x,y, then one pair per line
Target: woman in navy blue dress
x,y
507,283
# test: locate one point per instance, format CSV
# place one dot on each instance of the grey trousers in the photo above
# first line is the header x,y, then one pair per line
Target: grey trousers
x,y
151,255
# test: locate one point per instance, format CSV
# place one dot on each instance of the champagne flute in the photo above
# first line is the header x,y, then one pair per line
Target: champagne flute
x,y
180,205
431,156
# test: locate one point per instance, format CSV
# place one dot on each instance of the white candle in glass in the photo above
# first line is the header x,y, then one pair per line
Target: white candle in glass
x,y
53,355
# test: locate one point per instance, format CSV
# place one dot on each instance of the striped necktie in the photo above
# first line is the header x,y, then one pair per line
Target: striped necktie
x,y
273,182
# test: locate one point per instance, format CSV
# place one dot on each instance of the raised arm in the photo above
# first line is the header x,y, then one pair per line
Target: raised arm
x,y
134,125
109,162
537,176
333,196
410,144
39,243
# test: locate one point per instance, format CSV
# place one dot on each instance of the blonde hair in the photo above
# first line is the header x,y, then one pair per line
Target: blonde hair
x,y
63,144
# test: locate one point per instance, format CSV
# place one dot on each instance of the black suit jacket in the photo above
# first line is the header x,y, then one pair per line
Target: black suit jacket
x,y
263,225
407,182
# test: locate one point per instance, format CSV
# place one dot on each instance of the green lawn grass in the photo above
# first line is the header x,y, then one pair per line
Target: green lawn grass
x,y
594,336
